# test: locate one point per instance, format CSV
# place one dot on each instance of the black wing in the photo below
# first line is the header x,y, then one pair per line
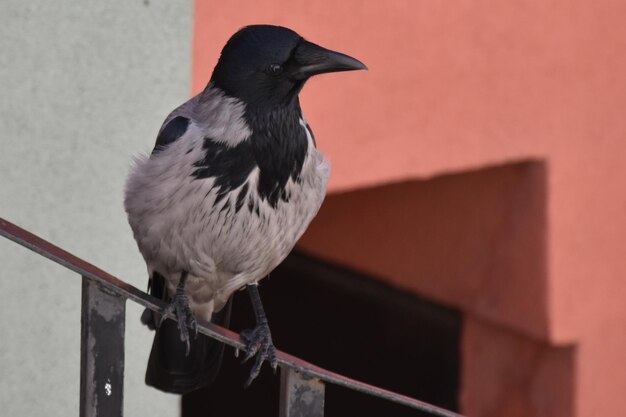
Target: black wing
x,y
174,129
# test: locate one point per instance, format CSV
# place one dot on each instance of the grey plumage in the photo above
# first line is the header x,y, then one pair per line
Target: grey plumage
x,y
179,226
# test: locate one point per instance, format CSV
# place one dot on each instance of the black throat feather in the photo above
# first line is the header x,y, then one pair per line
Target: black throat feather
x,y
277,146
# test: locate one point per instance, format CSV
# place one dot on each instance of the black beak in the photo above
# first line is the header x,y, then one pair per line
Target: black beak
x,y
313,59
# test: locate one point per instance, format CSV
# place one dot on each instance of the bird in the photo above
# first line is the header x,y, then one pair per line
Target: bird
x,y
233,181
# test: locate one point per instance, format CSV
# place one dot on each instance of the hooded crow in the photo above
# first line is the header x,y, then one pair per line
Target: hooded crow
x,y
233,181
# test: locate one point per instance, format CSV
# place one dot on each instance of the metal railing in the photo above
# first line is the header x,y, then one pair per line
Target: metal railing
x,y
103,312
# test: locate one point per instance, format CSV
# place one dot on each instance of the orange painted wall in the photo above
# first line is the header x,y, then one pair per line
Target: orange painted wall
x,y
459,85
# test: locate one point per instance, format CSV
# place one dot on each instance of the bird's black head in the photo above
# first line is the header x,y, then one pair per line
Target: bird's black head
x,y
267,65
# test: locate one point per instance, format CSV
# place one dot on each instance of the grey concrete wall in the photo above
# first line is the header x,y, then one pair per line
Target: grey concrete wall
x,y
85,85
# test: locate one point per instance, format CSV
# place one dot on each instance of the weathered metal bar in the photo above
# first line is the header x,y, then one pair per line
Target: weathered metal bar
x,y
103,318
325,375
230,338
300,396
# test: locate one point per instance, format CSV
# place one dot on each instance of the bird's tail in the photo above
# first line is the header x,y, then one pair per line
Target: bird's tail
x,y
170,369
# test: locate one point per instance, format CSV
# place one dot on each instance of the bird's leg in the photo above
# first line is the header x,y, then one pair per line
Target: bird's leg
x,y
258,340
180,306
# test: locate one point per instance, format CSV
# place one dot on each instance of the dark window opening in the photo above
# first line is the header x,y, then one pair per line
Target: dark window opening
x,y
350,324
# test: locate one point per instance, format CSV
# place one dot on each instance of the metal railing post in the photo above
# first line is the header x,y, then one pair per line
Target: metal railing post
x,y
102,345
103,317
300,396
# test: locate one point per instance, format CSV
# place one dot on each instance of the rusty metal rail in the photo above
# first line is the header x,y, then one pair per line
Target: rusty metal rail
x,y
103,314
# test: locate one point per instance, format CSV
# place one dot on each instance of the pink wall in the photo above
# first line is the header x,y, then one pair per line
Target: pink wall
x,y
459,85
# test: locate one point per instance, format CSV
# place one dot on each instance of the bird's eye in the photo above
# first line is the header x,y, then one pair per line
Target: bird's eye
x,y
275,69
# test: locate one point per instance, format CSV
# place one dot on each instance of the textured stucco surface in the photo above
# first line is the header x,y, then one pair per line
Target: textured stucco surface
x,y
85,85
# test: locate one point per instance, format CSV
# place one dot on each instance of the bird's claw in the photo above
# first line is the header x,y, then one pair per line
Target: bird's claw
x,y
259,342
179,306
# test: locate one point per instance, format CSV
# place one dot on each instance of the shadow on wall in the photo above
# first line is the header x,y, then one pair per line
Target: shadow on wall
x,y
475,240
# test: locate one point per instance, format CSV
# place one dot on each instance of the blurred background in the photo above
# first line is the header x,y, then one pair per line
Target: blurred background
x,y
469,253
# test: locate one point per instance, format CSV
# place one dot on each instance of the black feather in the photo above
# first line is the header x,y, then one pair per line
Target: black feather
x,y
278,147
174,129
241,197
170,369
242,68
